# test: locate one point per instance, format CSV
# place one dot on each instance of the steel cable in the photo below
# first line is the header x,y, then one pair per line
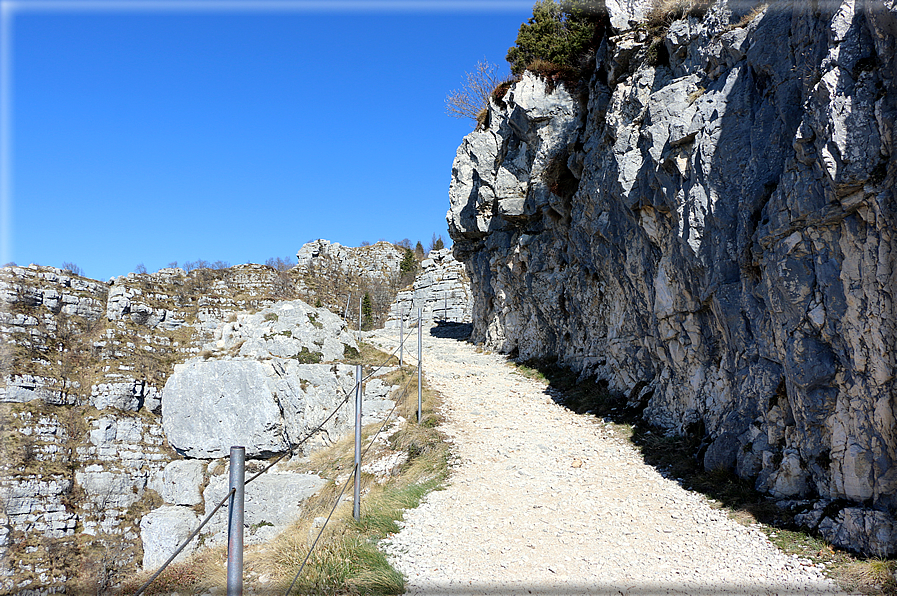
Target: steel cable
x,y
346,485
185,543
346,397
317,429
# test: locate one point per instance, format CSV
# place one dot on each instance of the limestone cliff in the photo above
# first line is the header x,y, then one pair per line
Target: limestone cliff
x,y
441,291
333,275
709,226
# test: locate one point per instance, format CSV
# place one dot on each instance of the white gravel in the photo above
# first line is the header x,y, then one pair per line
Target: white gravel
x,y
545,501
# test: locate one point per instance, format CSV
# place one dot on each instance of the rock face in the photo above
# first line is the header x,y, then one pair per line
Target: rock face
x,y
267,406
379,261
441,290
712,232
337,276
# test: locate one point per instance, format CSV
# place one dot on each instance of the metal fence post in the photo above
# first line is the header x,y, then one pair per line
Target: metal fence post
x,y
356,508
419,351
401,336
235,522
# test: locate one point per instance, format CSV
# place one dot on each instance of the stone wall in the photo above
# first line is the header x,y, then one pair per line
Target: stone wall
x,y
709,227
441,290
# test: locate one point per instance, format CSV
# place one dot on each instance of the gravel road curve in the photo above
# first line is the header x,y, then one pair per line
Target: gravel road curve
x,y
545,501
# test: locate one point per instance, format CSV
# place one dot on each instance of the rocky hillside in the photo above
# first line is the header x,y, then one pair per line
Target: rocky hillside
x,y
331,275
118,401
708,225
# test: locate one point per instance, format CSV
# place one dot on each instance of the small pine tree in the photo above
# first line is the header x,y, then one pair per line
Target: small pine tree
x,y
419,253
560,33
367,312
408,262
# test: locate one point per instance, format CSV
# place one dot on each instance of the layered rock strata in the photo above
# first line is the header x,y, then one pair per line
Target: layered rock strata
x,y
84,364
441,291
710,229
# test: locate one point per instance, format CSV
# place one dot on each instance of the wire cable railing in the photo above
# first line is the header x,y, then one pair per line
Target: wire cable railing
x,y
185,543
404,395
345,399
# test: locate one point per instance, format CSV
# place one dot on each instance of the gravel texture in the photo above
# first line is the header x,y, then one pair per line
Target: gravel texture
x,y
544,501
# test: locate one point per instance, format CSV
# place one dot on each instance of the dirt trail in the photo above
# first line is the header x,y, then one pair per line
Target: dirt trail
x,y
545,501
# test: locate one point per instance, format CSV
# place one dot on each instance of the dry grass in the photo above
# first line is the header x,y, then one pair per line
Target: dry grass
x,y
205,570
664,12
872,576
346,559
751,16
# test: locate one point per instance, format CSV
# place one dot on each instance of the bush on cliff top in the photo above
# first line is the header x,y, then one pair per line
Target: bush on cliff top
x,y
563,33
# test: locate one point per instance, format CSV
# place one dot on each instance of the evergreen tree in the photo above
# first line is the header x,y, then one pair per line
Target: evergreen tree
x,y
560,33
367,312
408,262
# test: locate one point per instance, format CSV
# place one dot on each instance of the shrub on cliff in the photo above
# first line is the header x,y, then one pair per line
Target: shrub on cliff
x,y
560,33
472,98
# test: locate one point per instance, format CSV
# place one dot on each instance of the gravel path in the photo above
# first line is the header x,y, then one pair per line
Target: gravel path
x,y
545,501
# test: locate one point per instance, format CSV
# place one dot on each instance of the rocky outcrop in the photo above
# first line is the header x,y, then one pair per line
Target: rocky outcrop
x,y
286,330
711,232
336,276
378,262
441,290
85,362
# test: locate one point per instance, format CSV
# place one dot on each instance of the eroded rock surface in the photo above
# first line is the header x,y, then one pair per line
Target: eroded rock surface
x,y
712,232
441,291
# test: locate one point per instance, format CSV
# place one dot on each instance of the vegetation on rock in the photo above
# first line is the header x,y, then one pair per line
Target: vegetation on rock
x,y
560,36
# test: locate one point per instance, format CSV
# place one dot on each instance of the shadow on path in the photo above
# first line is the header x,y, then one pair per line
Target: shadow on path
x,y
451,330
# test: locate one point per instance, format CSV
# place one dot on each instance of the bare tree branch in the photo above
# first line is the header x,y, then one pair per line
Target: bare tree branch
x,y
473,96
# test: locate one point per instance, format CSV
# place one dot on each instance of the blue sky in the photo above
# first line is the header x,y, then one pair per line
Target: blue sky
x,y
152,132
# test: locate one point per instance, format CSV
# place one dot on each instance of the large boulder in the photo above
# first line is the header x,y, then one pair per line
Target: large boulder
x,y
265,406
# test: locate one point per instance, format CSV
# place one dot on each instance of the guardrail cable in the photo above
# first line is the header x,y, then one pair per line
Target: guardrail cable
x,y
375,369
345,486
346,396
185,543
